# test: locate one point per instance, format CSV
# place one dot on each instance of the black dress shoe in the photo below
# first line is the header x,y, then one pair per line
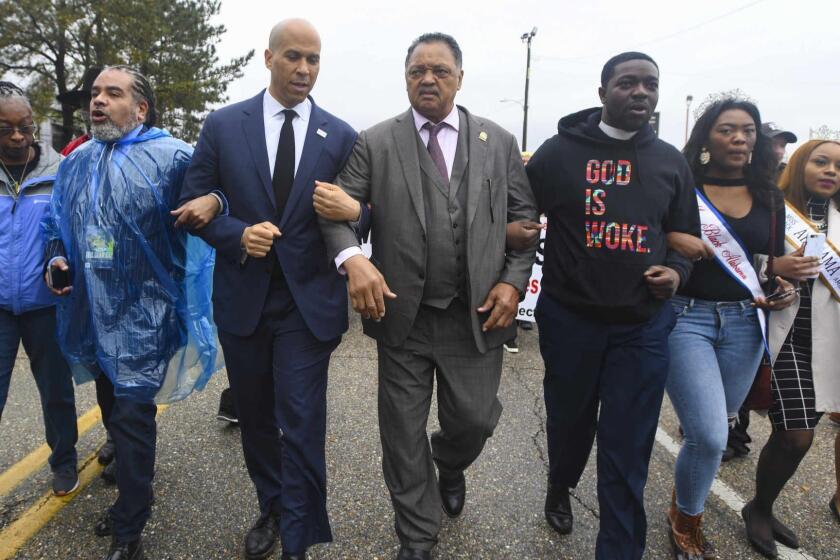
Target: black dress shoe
x,y
227,408
833,507
109,473
289,556
740,448
453,493
261,540
104,527
126,551
558,509
784,534
106,453
763,546
406,553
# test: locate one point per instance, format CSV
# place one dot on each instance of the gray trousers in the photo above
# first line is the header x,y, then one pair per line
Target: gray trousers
x,y
440,345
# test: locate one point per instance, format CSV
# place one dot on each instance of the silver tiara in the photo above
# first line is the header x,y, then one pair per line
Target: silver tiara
x,y
825,133
734,94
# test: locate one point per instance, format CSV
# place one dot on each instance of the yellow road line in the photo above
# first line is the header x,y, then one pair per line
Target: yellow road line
x,y
24,468
16,534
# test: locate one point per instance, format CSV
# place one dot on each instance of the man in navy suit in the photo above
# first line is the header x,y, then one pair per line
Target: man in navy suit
x,y
279,302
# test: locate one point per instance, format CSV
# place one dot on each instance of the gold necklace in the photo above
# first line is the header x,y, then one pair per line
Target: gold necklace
x,y
16,184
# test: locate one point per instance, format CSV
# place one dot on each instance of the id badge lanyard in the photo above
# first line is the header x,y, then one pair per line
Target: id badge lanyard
x,y
99,240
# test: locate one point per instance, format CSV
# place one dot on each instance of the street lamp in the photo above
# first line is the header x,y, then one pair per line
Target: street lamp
x,y
526,38
688,100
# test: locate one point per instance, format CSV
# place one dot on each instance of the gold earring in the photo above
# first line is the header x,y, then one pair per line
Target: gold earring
x,y
705,156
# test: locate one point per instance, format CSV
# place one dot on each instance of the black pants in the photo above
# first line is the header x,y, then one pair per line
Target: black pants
x,y
278,376
134,431
623,368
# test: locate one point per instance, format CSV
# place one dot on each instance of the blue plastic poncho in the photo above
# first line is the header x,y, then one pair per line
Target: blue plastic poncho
x,y
140,306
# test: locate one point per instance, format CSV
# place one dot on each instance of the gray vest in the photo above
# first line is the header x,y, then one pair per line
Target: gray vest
x,y
446,227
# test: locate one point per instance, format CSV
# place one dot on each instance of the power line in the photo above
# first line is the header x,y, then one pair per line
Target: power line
x,y
663,37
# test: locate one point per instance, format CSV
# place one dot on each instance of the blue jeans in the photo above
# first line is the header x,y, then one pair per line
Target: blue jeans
x,y
52,376
716,348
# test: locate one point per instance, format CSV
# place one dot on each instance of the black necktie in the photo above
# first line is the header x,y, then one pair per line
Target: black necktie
x,y
284,163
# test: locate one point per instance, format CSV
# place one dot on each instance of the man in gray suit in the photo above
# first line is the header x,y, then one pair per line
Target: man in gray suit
x,y
442,184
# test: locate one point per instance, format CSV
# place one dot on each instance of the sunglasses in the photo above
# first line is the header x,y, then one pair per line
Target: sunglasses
x,y
26,130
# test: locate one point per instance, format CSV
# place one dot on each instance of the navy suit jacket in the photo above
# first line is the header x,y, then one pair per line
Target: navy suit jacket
x,y
231,156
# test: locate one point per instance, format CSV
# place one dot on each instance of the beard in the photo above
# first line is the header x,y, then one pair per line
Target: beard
x,y
109,131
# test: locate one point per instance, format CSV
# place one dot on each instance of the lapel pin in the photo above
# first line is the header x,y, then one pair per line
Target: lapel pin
x,y
321,133
482,136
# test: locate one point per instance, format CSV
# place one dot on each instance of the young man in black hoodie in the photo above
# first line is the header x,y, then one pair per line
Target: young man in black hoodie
x,y
611,191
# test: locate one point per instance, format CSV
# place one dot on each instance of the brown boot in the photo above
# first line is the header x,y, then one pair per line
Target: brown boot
x,y
709,552
686,536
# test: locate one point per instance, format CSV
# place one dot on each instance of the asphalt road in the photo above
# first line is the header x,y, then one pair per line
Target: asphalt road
x,y
206,503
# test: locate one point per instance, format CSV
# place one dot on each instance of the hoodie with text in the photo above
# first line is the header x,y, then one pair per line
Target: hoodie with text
x,y
609,204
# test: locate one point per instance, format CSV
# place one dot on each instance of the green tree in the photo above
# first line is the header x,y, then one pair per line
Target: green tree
x,y
172,42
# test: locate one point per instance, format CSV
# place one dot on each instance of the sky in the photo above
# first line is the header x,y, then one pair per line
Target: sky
x,y
782,54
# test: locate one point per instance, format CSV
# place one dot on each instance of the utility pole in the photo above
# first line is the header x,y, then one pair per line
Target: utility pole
x,y
526,38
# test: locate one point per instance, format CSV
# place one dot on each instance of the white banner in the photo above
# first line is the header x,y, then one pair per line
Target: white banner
x,y
532,291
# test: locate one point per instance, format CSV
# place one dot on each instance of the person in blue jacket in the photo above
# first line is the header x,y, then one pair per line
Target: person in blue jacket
x,y
27,309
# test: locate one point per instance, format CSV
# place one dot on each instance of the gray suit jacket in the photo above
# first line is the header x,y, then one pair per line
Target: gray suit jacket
x,y
385,170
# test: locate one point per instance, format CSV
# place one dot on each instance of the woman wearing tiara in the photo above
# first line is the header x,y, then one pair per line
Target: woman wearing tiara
x,y
803,343
717,343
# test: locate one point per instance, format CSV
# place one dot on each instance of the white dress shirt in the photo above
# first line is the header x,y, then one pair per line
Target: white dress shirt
x,y
447,135
273,119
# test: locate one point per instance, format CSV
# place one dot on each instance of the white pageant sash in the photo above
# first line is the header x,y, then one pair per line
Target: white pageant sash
x,y
730,253
797,228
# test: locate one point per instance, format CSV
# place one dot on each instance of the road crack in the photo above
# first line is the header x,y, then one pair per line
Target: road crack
x,y
538,438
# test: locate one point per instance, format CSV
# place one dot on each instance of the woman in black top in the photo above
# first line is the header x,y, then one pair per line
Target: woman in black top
x,y
717,343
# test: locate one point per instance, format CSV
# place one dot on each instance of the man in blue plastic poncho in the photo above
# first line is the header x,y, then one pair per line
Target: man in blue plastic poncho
x,y
136,308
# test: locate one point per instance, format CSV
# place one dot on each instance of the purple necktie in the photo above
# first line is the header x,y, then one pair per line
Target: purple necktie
x,y
435,151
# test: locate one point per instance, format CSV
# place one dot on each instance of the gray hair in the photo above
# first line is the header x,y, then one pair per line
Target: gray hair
x,y
11,92
436,37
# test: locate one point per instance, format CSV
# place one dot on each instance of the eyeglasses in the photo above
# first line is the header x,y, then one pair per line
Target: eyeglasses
x,y
26,130
418,72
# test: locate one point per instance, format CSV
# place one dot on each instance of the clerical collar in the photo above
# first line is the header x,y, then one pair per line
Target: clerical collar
x,y
616,133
